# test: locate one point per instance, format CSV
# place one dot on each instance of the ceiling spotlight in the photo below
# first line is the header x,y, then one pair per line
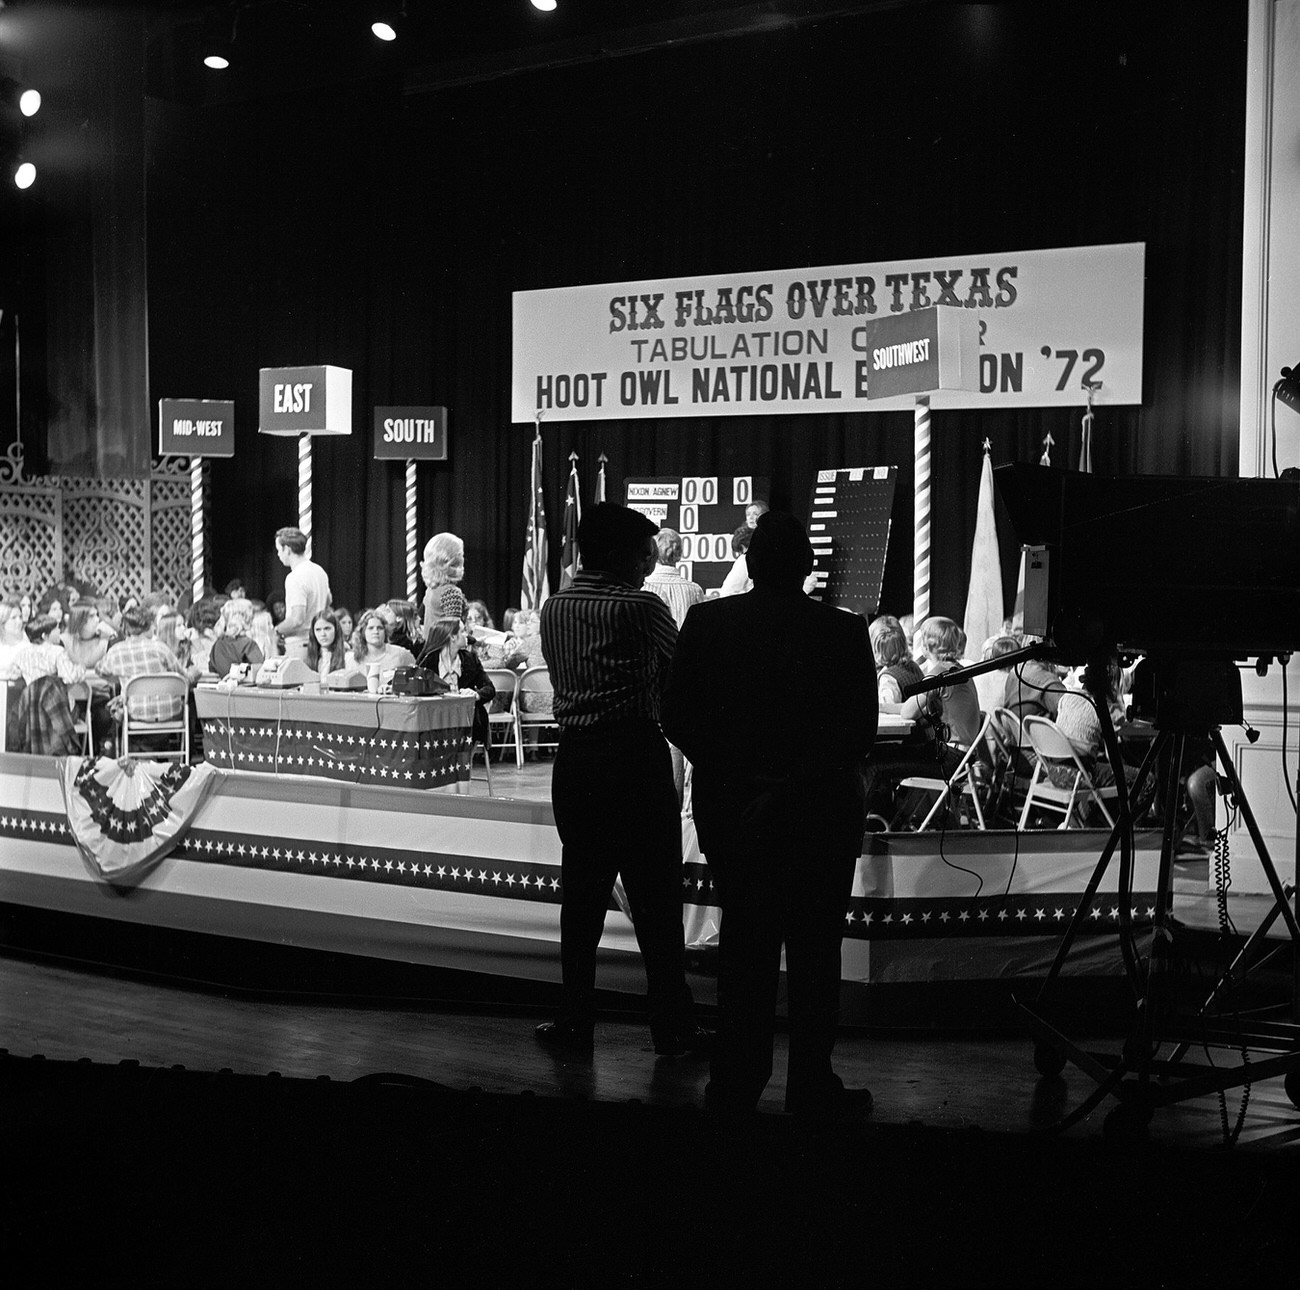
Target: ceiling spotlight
x,y
14,94
217,37
384,30
545,6
25,175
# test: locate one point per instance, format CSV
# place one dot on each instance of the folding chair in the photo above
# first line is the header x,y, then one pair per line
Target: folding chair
x,y
150,684
79,696
535,682
501,712
1012,765
963,782
1051,747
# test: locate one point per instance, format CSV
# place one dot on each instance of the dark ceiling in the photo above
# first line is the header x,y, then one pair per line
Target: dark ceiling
x,y
284,45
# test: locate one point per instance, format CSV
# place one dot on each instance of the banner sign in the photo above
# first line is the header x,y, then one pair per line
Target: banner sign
x,y
411,434
796,340
196,428
304,400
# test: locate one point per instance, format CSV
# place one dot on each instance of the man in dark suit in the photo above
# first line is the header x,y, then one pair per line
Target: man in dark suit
x,y
772,697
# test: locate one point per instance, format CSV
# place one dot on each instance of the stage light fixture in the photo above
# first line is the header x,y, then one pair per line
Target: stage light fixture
x,y
545,6
24,174
15,94
384,30
218,38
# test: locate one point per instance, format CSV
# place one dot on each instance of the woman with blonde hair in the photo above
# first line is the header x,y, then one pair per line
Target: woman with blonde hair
x,y
443,566
234,643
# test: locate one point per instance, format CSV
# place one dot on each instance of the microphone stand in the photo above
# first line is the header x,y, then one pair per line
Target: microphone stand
x,y
957,674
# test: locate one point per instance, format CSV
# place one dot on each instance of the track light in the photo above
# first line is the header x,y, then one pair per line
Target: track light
x,y
389,21
15,94
218,38
24,174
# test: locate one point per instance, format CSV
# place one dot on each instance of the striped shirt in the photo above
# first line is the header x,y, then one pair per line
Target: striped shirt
x,y
134,656
673,589
608,647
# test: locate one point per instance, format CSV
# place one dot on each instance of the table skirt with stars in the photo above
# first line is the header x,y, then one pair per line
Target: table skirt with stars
x,y
404,741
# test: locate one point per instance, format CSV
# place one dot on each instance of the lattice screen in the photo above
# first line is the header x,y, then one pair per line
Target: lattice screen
x,y
122,536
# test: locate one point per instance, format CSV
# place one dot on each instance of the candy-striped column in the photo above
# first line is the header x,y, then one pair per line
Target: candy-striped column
x,y
921,511
196,527
304,485
410,529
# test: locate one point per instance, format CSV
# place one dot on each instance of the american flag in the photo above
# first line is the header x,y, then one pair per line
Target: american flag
x,y
537,584
572,516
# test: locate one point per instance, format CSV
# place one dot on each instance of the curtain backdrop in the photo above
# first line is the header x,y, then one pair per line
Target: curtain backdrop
x,y
385,233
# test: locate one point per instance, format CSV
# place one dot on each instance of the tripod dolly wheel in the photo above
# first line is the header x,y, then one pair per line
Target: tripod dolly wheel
x,y
1292,1086
1047,1060
1127,1120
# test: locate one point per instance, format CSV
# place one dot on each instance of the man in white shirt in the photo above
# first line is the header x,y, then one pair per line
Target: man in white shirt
x,y
306,591
668,582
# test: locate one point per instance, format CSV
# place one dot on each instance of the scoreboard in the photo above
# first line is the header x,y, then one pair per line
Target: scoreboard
x,y
705,509
848,526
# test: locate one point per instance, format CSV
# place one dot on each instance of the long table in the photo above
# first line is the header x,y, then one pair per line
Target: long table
x,y
404,741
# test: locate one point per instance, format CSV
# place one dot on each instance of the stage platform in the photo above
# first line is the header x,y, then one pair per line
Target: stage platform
x,y
460,881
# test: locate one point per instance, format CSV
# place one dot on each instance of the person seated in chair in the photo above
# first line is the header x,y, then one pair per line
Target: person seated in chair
x,y
958,705
234,643
1079,720
44,654
449,655
12,638
326,650
374,652
918,753
138,653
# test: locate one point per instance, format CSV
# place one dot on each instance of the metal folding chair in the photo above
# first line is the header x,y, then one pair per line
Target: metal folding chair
x,y
155,684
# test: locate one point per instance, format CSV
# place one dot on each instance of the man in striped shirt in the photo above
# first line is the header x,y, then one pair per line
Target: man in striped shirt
x,y
608,644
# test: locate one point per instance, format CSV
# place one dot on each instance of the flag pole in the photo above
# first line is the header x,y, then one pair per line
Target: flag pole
x,y
600,478
1085,448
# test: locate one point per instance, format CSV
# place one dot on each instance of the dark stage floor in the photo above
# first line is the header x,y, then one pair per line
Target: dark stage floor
x,y
430,1139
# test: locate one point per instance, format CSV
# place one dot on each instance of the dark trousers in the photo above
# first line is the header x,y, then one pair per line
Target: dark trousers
x,y
779,885
616,812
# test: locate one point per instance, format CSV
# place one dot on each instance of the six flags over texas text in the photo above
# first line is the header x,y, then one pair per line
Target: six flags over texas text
x,y
840,297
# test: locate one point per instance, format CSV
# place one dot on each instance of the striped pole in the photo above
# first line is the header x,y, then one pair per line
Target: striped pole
x,y
304,486
921,512
196,527
410,529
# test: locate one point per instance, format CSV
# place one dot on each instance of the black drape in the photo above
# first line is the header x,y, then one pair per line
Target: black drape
x,y
385,233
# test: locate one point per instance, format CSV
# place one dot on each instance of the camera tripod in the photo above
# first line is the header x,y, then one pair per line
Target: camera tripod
x,y
1190,699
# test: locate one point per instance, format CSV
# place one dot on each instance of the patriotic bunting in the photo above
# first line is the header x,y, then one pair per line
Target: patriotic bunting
x,y
126,815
